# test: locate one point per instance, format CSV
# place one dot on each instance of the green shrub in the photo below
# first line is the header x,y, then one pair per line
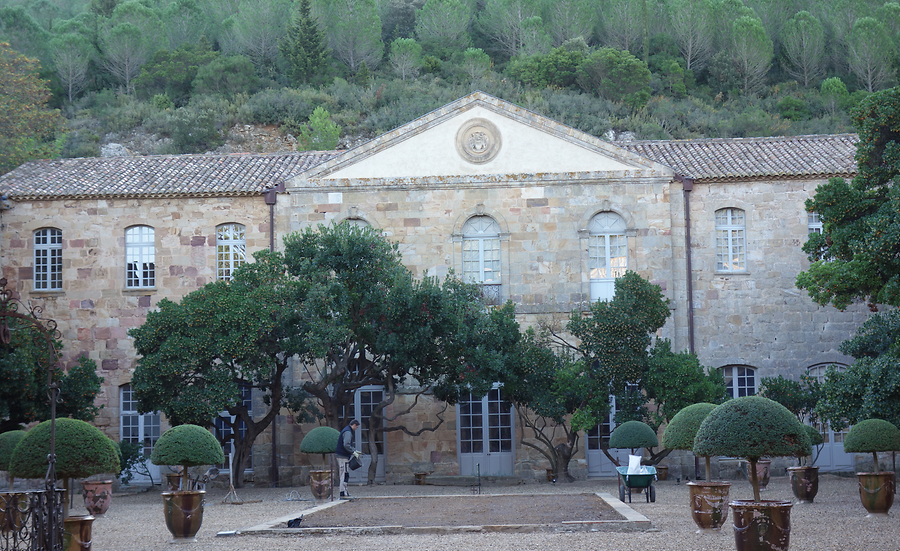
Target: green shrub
x,y
815,437
633,434
320,440
751,427
81,451
188,446
872,436
226,76
272,106
8,441
682,429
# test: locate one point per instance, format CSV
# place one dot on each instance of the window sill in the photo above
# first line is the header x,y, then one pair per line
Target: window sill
x,y
35,293
139,290
744,273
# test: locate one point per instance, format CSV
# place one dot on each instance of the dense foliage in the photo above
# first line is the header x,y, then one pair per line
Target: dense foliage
x,y
682,430
320,440
8,442
872,436
870,387
25,364
187,446
664,69
29,128
799,397
857,255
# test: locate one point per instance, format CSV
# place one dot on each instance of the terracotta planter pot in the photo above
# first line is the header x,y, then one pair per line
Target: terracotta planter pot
x,y
876,490
709,504
804,483
762,525
662,472
420,478
12,507
320,484
762,472
77,535
97,496
184,513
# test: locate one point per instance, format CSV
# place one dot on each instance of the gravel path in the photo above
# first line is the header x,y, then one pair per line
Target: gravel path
x,y
836,521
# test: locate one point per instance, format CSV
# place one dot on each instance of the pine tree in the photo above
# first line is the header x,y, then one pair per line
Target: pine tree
x,y
304,45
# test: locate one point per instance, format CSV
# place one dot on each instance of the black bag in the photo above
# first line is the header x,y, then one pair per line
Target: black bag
x,y
354,463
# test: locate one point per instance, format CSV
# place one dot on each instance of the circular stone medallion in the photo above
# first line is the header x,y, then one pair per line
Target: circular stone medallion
x,y
478,141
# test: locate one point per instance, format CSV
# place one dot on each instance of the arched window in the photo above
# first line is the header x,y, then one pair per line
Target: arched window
x,y
48,259
140,257
481,255
358,222
740,380
608,254
813,223
731,246
231,250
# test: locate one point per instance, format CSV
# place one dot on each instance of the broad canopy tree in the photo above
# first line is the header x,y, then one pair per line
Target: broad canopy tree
x,y
338,302
560,383
856,258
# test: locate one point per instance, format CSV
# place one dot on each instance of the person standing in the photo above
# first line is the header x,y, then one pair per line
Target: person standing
x,y
346,448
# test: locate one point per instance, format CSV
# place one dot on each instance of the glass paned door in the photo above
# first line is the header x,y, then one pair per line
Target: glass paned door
x,y
139,428
364,402
485,435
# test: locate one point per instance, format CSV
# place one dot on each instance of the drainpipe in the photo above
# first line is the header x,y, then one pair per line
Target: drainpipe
x,y
271,197
687,185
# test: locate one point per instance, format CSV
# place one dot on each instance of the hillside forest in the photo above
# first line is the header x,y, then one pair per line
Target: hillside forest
x,y
333,72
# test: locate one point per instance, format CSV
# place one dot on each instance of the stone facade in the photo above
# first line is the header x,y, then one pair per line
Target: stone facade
x,y
541,182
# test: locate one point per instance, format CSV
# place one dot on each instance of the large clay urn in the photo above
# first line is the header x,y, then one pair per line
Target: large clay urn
x,y
184,513
876,490
761,525
97,496
804,483
320,484
77,534
709,504
762,472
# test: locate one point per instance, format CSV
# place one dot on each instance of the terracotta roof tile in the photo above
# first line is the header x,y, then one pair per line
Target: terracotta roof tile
x,y
740,158
156,175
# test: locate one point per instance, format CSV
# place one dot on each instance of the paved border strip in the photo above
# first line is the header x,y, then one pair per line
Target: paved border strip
x,y
632,522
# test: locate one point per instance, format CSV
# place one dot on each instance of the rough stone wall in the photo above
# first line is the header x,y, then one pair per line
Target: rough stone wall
x,y
94,310
759,318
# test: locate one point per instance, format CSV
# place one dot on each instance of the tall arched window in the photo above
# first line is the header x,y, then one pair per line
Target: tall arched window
x,y
608,254
731,241
481,255
740,380
48,259
140,257
231,250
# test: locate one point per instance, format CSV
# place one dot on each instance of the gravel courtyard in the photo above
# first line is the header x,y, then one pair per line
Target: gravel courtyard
x,y
836,521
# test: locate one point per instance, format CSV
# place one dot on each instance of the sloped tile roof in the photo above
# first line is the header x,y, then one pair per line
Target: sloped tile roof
x,y
741,158
156,175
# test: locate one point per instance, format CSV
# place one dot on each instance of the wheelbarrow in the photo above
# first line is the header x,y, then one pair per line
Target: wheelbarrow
x,y
642,480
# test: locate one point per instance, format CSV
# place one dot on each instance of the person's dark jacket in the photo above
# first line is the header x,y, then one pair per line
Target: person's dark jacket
x,y
346,443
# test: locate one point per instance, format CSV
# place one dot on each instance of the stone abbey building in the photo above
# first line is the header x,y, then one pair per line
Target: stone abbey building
x,y
535,211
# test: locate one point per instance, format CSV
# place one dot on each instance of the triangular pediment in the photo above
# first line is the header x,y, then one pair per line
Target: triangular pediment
x,y
481,136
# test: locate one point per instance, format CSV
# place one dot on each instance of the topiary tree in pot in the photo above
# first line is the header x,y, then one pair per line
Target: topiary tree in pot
x,y
186,446
8,441
752,427
82,450
709,500
877,488
321,440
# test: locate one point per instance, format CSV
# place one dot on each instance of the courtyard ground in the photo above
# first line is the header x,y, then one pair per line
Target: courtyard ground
x,y
836,521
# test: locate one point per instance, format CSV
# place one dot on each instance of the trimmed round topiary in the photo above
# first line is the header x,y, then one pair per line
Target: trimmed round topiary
x,y
188,446
81,451
872,435
815,437
320,440
8,441
681,430
752,427
633,434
